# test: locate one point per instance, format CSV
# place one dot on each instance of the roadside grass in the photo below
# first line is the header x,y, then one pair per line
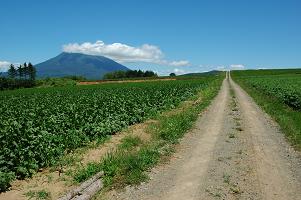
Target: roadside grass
x,y
226,178
288,119
129,142
235,109
235,189
70,159
133,158
232,135
39,195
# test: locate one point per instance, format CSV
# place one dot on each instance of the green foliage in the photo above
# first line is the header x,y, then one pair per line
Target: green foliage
x,y
267,72
129,142
284,85
10,84
85,173
40,125
59,82
39,195
12,72
173,128
129,74
76,78
56,82
285,88
5,179
128,168
25,73
31,71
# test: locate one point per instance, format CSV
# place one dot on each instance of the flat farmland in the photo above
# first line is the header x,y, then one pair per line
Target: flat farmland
x,y
39,125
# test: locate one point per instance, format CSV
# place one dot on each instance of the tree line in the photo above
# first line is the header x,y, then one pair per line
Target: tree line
x,y
129,74
25,71
18,77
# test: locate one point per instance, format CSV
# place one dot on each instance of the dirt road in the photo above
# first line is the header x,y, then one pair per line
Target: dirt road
x,y
235,151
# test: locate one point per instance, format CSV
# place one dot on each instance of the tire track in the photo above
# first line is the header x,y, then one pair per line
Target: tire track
x,y
278,165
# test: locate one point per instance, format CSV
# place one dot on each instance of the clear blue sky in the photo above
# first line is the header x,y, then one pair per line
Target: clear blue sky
x,y
209,34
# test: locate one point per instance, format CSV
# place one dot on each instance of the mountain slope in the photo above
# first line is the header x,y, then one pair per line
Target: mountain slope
x,y
66,64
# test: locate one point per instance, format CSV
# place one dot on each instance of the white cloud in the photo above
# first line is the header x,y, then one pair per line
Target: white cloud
x,y
179,63
179,71
220,68
123,53
4,65
237,67
260,67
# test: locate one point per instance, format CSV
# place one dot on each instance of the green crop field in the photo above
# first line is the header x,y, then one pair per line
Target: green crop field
x,y
284,85
41,124
278,92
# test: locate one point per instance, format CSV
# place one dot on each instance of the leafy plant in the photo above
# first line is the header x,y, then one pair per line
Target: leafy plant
x,y
5,179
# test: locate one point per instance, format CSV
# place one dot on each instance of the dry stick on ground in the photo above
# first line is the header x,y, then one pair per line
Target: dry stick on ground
x,y
90,191
82,187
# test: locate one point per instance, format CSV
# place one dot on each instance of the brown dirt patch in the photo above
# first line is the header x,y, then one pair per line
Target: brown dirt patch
x,y
139,130
53,182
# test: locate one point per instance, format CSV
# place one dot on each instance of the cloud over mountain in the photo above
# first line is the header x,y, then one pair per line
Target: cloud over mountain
x,y
123,53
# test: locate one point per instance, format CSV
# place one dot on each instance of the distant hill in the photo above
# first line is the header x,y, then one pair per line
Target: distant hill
x,y
77,64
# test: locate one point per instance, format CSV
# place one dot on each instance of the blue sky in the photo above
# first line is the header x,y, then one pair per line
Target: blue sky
x,y
166,36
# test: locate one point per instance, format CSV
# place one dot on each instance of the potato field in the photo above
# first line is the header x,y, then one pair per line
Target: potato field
x,y
284,85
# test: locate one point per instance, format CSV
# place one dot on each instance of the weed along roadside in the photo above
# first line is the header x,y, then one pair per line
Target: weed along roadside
x,y
129,163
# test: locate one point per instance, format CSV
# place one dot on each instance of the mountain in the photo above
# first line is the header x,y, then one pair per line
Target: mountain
x,y
69,64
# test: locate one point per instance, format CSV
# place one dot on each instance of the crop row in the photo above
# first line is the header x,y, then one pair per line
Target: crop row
x,y
39,125
286,88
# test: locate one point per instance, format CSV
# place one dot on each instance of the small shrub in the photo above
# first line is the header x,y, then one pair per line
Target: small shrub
x,y
5,179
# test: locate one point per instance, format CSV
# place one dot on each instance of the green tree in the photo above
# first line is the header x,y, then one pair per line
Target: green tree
x,y
108,76
25,70
31,72
129,74
172,74
12,72
140,73
20,71
150,74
